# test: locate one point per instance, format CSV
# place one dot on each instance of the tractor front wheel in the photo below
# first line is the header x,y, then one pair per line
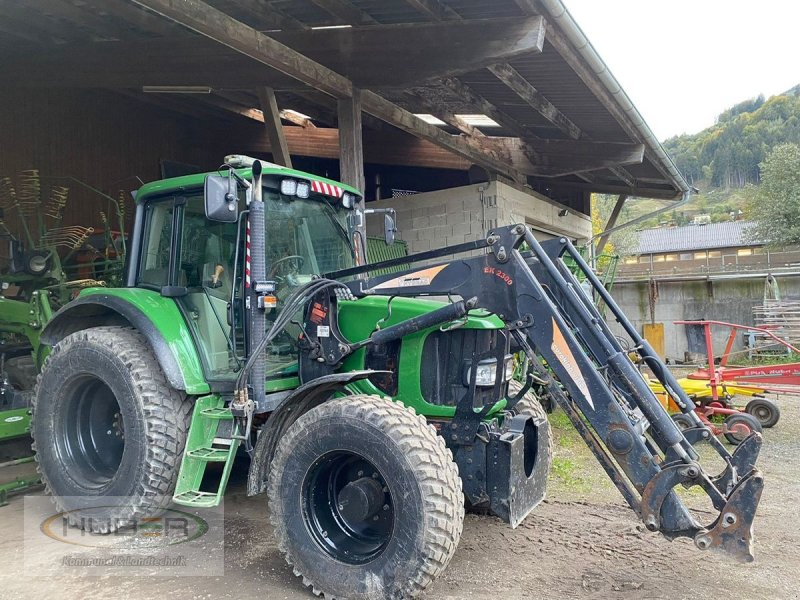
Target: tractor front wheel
x,y
365,499
108,429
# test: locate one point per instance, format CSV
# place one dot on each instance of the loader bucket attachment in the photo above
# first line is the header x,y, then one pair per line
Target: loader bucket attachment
x,y
732,534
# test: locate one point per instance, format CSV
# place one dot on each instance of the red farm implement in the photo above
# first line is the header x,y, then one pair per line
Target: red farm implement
x,y
722,382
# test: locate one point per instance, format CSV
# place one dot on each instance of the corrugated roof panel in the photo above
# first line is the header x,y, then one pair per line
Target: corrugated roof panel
x,y
697,237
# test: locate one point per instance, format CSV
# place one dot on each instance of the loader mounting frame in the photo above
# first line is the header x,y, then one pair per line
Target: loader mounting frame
x,y
576,359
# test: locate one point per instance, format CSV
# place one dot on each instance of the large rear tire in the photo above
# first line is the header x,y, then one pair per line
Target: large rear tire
x,y
365,500
108,426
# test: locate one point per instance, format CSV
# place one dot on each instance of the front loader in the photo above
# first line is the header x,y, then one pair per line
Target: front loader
x,y
373,409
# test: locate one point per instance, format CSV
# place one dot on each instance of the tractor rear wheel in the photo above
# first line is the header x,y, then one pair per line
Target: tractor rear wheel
x,y
365,499
108,429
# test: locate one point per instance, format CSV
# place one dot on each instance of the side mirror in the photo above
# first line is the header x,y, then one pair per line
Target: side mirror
x,y
221,199
389,222
389,228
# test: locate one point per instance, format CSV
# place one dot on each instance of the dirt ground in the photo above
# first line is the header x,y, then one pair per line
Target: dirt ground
x,y
582,542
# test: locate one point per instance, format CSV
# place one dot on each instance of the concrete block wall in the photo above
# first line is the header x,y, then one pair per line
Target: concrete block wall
x,y
729,300
453,216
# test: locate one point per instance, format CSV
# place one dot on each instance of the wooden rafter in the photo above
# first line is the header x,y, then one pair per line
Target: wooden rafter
x,y
346,11
438,110
435,9
465,92
516,82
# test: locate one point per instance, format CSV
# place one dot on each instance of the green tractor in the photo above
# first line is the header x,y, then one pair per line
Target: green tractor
x,y
372,409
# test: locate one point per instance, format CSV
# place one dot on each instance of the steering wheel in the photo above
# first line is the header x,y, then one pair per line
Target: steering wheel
x,y
299,261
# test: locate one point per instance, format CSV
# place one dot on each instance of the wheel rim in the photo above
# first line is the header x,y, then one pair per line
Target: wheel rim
x,y
93,440
762,412
739,429
348,507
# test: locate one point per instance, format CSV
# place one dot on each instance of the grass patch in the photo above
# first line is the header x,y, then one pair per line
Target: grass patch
x,y
567,473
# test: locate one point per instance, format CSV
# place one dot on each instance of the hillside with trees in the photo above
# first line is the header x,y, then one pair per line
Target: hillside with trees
x,y
726,162
728,154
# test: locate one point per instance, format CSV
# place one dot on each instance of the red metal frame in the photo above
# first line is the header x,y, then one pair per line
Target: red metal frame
x,y
763,376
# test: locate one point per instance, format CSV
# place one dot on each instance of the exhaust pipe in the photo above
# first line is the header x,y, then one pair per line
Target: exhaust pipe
x,y
258,277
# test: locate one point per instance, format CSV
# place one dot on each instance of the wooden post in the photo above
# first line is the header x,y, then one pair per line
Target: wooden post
x,y
612,220
351,150
351,157
272,121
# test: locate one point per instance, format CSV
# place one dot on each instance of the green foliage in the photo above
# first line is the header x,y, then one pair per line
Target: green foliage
x,y
775,204
728,154
622,242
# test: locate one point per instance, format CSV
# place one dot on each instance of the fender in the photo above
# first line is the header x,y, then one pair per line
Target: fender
x,y
104,309
299,402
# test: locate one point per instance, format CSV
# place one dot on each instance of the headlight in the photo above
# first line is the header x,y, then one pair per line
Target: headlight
x,y
348,200
486,372
303,189
289,187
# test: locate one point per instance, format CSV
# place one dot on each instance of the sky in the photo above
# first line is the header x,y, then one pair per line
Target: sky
x,y
682,62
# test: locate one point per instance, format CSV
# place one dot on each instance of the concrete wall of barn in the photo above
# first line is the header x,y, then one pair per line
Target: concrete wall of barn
x,y
730,300
442,218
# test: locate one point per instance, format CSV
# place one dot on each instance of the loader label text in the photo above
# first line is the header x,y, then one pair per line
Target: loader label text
x,y
565,357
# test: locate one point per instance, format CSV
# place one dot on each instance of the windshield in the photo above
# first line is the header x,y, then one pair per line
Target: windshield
x,y
312,231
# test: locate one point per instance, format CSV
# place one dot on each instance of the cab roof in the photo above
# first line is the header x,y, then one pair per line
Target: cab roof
x,y
196,180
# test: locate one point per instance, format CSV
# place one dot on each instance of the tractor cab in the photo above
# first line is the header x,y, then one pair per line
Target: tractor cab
x,y
203,261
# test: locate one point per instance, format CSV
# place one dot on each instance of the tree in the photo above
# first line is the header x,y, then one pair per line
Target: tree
x,y
623,242
775,204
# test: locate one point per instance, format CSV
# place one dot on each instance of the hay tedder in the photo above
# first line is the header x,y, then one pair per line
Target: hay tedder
x,y
714,387
373,408
43,265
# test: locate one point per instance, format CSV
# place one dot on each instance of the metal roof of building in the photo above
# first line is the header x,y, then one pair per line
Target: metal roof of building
x,y
730,234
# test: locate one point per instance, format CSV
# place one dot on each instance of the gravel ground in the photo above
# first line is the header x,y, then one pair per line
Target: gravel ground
x,y
582,542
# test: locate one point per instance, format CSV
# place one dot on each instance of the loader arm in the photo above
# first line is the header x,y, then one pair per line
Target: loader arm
x,y
576,359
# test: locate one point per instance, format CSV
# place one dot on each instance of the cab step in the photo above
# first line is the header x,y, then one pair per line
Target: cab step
x,y
209,441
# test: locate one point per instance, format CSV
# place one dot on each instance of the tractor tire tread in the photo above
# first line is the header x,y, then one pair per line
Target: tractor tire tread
x,y
430,457
167,413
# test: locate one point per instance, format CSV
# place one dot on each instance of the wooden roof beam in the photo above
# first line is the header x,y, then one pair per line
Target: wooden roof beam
x,y
522,87
556,159
465,92
624,175
297,119
224,29
440,111
346,11
212,23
